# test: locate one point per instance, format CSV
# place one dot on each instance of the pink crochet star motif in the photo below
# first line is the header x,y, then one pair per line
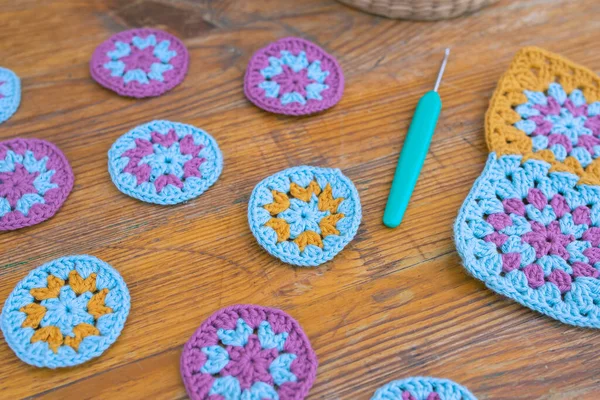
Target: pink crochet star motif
x,y
548,240
431,396
165,180
13,185
290,81
143,148
140,171
165,140
577,111
140,59
593,123
250,363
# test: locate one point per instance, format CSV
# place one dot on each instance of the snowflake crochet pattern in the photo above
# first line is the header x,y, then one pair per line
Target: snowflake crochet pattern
x,y
565,124
65,312
304,215
35,180
423,388
248,352
165,162
140,63
10,93
547,108
530,227
295,77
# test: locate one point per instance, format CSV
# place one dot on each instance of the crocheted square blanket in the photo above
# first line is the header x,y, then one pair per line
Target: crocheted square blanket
x,y
530,227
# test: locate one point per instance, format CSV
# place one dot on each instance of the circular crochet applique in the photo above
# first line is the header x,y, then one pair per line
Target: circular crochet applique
x,y
295,77
248,352
165,162
140,63
65,312
423,388
304,215
35,180
10,93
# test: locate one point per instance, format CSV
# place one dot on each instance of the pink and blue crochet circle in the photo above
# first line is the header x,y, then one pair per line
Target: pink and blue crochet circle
x,y
566,124
534,236
165,162
248,352
10,93
66,311
303,216
35,180
293,76
140,63
423,388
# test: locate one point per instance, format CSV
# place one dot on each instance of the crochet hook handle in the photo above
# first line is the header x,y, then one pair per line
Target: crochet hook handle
x,y
414,151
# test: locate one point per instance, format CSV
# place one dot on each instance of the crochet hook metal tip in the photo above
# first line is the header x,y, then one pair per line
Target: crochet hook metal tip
x,y
442,69
414,151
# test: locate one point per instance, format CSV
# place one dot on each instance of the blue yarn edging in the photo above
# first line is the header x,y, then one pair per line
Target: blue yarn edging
x,y
289,252
421,387
192,187
545,299
110,325
11,90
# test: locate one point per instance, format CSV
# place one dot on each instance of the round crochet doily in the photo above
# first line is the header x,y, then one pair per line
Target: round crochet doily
x,y
293,76
65,312
304,215
35,180
10,93
140,63
248,352
165,162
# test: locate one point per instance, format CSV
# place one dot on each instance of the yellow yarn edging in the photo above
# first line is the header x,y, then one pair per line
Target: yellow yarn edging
x,y
281,202
535,69
35,312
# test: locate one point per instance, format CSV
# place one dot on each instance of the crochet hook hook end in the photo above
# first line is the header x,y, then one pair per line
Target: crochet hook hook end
x,y
442,68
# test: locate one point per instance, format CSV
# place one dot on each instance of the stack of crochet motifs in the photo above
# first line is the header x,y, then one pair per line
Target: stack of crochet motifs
x,y
530,228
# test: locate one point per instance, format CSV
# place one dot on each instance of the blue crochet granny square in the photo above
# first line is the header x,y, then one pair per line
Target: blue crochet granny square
x,y
10,93
165,162
423,388
65,312
534,235
304,215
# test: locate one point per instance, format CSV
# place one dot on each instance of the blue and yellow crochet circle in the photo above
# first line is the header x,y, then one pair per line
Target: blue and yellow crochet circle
x,y
305,215
65,312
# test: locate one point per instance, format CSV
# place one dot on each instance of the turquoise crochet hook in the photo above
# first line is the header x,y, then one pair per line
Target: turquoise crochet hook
x,y
414,151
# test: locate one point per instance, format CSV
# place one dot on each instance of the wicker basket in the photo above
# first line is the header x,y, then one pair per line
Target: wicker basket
x,y
419,9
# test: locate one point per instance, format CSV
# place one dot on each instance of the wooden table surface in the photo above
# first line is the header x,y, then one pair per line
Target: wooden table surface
x,y
394,303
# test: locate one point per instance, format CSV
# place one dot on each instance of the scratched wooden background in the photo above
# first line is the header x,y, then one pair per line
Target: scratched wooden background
x,y
394,303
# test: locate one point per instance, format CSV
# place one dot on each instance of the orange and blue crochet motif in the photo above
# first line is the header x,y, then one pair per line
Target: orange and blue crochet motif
x,y
530,227
65,312
305,215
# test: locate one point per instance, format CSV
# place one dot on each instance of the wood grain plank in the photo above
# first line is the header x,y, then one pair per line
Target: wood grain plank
x,y
394,303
